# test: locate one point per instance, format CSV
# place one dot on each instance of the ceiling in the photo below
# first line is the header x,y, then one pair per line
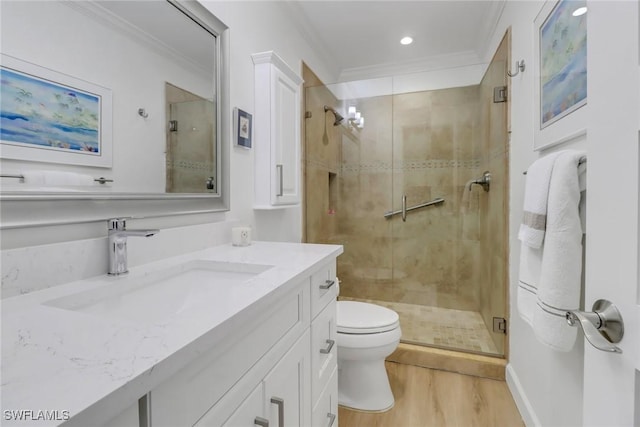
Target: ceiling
x,y
362,38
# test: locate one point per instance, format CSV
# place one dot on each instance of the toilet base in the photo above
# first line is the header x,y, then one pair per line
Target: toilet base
x,y
364,385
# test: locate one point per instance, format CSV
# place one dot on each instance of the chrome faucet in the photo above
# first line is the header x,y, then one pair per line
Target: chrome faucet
x,y
118,234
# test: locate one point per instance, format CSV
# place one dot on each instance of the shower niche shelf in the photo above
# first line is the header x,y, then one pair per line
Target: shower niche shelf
x,y
277,133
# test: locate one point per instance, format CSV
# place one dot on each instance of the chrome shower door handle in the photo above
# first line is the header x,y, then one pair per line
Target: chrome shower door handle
x,y
280,402
404,208
279,168
602,327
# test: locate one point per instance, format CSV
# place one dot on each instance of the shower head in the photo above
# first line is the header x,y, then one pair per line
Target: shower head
x,y
338,117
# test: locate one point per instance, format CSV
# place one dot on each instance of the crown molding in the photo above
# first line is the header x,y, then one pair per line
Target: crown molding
x,y
490,21
98,13
430,63
308,32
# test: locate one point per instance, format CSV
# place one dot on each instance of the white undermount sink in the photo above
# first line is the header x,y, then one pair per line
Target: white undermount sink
x,y
160,295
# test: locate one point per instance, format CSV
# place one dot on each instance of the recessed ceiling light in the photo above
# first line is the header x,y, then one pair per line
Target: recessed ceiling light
x,y
579,11
406,40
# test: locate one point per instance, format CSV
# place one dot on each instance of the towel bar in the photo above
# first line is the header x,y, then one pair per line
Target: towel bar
x,y
404,211
579,163
101,180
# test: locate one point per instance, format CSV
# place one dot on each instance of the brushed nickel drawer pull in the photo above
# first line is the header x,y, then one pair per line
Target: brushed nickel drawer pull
x,y
328,284
329,347
332,418
280,402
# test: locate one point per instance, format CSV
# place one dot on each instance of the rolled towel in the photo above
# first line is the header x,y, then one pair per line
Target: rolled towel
x,y
534,217
57,178
33,177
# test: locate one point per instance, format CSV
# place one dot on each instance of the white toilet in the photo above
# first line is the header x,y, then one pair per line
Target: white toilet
x,y
367,334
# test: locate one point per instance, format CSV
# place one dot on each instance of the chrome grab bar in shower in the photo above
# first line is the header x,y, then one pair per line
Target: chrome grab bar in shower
x,y
405,209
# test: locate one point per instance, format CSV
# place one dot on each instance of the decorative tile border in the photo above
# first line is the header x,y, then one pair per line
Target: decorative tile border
x,y
407,166
190,165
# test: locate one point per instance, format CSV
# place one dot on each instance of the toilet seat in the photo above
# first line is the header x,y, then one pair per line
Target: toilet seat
x,y
354,317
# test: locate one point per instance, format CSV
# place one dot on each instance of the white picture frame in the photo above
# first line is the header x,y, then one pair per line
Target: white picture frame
x,y
52,117
556,126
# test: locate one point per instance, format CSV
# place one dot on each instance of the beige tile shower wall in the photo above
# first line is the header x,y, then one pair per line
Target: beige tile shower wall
x,y
424,145
365,188
494,205
435,150
321,159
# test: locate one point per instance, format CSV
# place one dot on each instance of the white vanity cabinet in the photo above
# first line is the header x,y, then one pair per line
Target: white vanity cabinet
x,y
280,368
279,399
212,388
276,132
324,349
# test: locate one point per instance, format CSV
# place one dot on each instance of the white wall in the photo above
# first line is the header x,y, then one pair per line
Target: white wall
x,y
547,385
254,27
258,27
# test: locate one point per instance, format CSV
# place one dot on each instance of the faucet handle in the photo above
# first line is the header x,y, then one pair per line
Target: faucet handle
x,y
117,224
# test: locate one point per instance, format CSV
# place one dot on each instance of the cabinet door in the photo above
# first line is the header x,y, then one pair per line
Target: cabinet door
x,y
287,387
324,335
325,413
128,418
248,413
285,141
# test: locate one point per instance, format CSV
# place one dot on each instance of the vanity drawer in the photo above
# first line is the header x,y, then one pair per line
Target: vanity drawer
x,y
323,287
325,411
186,396
324,349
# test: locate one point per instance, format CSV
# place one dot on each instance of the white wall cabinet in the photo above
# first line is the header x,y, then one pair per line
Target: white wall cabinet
x,y
276,132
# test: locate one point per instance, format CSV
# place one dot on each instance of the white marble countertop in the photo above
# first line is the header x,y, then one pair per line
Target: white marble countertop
x,y
56,359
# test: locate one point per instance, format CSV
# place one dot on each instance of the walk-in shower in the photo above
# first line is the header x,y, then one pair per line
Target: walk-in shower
x,y
393,193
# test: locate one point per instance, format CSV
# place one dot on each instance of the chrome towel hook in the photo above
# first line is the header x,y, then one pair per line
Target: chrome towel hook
x,y
519,68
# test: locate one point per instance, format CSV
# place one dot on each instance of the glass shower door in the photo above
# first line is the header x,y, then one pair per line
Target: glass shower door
x,y
191,155
436,250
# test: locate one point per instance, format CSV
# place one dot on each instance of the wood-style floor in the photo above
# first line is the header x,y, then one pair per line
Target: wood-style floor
x,y
428,397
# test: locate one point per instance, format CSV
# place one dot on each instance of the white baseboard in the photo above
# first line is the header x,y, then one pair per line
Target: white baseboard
x,y
519,396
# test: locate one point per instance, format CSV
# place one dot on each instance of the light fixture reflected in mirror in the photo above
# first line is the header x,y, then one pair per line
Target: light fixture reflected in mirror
x,y
356,120
580,11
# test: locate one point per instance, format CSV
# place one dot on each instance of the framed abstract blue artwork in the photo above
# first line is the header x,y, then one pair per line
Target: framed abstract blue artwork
x,y
47,116
561,79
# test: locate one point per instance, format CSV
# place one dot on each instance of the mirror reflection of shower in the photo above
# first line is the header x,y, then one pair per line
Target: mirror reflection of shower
x,y
191,137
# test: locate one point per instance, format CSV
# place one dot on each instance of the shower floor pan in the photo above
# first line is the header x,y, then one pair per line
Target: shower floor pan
x,y
441,327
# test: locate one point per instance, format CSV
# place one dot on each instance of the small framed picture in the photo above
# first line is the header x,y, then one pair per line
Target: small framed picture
x,y
243,127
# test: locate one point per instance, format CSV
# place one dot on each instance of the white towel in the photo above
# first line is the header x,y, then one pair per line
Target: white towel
x,y
529,277
561,267
56,178
536,194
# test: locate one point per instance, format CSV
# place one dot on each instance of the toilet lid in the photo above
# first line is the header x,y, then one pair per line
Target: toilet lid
x,y
355,317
